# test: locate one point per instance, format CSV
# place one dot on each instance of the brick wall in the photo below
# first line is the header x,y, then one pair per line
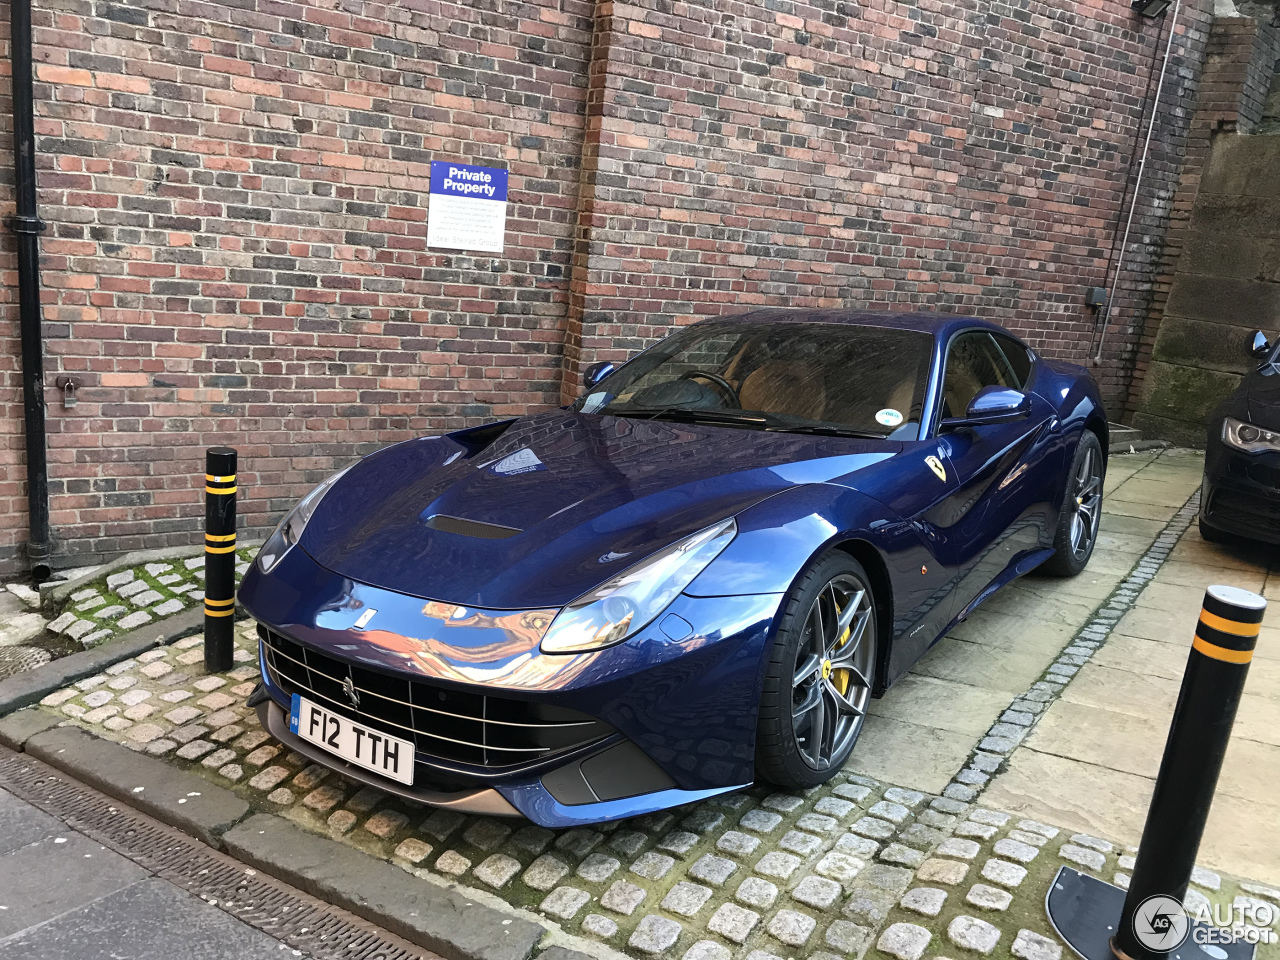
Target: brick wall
x,y
969,156
236,195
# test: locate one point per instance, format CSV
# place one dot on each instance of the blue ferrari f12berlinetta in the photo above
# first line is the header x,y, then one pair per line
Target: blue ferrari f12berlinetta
x,y
694,577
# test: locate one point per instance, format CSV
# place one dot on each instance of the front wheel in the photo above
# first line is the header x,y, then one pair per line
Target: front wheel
x,y
1081,511
818,680
1210,535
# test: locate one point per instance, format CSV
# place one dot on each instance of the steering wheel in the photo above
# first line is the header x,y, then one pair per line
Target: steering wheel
x,y
723,385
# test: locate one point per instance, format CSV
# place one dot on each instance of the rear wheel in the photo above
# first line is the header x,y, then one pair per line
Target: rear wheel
x,y
1081,511
818,680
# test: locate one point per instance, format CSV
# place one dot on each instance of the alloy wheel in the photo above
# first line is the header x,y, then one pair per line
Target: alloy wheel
x,y
832,681
1087,503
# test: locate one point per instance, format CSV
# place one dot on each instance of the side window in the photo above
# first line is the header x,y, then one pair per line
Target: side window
x,y
1018,356
973,362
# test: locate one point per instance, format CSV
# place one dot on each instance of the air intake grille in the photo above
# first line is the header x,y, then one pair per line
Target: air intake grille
x,y
471,528
1242,511
455,727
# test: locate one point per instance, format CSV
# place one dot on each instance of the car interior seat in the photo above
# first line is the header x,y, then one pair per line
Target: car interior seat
x,y
960,386
784,386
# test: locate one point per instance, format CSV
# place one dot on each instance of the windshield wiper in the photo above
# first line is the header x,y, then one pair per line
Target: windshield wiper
x,y
763,421
824,431
686,415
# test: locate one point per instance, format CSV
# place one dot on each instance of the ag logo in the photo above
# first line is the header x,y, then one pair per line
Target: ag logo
x,y
936,466
1160,924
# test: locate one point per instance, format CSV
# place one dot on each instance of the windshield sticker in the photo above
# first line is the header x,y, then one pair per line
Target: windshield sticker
x,y
522,461
594,402
889,417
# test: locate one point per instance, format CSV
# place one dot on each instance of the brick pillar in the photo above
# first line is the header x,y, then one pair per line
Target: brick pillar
x,y
1240,58
579,351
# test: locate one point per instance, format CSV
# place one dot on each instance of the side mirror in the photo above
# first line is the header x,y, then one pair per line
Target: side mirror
x,y
1258,348
596,372
993,404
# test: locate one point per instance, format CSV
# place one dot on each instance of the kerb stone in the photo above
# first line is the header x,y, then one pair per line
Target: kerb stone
x,y
442,920
153,786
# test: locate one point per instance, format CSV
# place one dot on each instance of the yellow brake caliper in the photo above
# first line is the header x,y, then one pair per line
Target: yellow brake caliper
x,y
840,678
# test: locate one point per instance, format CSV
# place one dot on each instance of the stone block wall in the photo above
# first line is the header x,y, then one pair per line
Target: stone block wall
x,y
1227,285
1221,274
1240,66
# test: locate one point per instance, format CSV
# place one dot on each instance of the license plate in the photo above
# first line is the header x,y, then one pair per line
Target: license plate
x,y
353,742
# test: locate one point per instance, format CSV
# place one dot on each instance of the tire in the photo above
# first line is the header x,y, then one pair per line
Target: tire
x,y
1081,510
1210,535
799,683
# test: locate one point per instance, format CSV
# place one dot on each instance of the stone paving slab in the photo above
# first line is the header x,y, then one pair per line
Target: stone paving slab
x,y
52,875
993,657
150,918
1092,760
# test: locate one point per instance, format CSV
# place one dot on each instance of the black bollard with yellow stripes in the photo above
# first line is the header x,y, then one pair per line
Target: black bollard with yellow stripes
x,y
219,557
1211,687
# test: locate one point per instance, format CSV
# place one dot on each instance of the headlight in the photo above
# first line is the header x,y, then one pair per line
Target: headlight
x,y
295,521
629,602
1247,437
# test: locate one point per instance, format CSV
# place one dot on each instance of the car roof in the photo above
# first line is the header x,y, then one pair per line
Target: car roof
x,y
938,324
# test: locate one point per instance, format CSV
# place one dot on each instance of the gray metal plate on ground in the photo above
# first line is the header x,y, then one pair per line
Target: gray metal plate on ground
x,y
1085,912
15,660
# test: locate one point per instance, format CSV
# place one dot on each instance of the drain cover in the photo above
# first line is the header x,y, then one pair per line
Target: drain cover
x,y
21,659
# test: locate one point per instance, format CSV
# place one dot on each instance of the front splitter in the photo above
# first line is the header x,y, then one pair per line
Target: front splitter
x,y
485,800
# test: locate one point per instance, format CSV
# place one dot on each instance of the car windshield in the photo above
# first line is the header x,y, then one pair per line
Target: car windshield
x,y
826,378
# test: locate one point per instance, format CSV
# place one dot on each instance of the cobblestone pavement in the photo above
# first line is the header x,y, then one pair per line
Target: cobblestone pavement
x,y
31,626
864,864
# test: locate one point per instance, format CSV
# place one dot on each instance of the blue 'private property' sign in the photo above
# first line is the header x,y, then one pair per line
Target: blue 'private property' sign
x,y
468,209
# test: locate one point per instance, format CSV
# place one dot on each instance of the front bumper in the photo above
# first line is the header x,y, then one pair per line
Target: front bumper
x,y
1241,493
676,709
275,720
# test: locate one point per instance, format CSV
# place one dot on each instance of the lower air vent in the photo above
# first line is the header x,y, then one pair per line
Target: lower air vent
x,y
471,528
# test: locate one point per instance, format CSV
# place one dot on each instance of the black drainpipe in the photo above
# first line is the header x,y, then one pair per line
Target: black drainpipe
x,y
26,226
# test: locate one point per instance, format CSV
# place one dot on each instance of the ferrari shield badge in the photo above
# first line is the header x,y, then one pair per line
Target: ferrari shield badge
x,y
936,466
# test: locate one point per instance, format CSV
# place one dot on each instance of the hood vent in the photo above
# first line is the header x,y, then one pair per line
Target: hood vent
x,y
471,528
476,439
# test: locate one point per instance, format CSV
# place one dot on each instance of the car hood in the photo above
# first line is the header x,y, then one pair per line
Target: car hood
x,y
557,504
1262,392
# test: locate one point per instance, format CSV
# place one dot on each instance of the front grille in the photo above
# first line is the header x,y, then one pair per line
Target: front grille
x,y
455,727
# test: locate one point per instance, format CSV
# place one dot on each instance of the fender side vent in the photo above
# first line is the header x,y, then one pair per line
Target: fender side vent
x,y
471,528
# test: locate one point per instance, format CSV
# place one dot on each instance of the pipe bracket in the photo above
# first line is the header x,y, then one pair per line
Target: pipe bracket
x,y
19,224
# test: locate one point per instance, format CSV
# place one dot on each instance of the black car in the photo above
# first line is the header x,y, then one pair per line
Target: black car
x,y
1241,495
